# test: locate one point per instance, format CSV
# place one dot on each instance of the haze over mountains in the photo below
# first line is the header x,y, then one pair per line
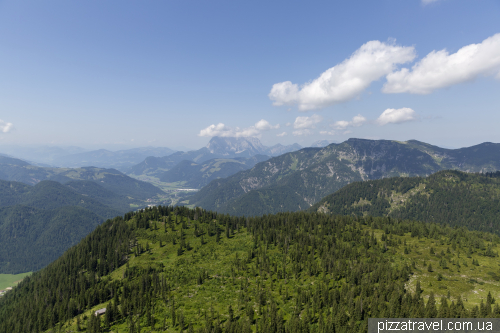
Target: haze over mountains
x,y
17,170
76,157
217,148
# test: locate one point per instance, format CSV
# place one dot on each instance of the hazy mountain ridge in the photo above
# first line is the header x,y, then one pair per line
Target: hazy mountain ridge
x,y
217,148
111,179
121,160
313,173
76,157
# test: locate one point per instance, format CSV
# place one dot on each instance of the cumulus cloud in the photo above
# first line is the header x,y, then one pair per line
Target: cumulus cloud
x,y
263,125
5,127
396,116
281,134
222,130
307,122
328,132
440,69
302,132
346,80
355,122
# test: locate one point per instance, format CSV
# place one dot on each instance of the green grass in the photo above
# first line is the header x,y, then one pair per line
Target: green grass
x,y
459,278
223,287
10,280
218,291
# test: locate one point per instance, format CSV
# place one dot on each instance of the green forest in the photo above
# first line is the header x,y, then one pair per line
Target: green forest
x,y
452,197
174,269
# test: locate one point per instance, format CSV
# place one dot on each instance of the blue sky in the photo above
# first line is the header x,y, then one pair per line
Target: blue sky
x,y
173,73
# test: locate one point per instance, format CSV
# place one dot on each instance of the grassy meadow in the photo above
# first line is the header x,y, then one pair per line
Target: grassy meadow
x,y
10,280
438,264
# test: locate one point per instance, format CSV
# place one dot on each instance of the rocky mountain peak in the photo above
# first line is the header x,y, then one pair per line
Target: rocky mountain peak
x,y
230,145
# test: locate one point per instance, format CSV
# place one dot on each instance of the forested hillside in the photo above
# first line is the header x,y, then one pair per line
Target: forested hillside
x,y
452,197
38,223
175,269
299,179
31,238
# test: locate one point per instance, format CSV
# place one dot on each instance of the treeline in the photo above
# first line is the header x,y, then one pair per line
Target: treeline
x,y
300,272
452,197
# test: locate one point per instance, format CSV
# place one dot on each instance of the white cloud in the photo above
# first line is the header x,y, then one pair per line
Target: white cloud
x,y
426,2
355,122
307,122
341,124
440,69
281,134
302,132
396,116
263,125
328,133
358,121
5,127
346,80
222,130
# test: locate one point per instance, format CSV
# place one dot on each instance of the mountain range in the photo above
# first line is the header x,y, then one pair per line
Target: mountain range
x,y
217,148
76,157
44,211
299,179
113,180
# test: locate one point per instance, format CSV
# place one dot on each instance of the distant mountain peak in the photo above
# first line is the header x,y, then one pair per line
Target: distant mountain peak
x,y
322,143
231,145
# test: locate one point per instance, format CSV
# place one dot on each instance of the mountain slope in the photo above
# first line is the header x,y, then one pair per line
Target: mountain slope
x,y
453,197
99,193
38,223
31,238
198,175
312,173
111,179
174,269
48,195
